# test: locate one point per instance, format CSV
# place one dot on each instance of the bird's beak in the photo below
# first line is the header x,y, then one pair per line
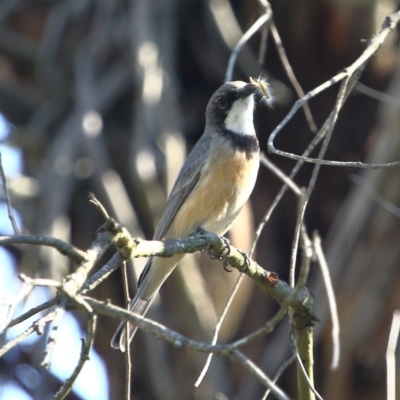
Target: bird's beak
x,y
248,89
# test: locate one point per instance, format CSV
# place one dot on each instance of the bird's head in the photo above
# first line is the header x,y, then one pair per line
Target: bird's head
x,y
231,107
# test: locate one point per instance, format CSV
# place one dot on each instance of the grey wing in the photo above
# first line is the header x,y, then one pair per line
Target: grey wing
x,y
186,181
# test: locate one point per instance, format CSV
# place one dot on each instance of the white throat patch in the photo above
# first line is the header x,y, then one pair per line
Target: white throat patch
x,y
240,117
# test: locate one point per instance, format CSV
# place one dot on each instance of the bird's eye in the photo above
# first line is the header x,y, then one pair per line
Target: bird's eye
x,y
222,102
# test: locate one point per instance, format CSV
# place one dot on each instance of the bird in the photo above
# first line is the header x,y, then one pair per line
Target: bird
x,y
213,185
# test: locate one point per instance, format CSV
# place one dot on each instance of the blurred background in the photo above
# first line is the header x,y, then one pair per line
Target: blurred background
x,y
108,96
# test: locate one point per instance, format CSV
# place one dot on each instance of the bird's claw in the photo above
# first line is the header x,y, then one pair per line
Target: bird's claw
x,y
198,231
226,250
246,260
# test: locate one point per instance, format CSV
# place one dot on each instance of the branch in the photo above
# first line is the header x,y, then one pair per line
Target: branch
x,y
86,346
351,72
64,248
179,341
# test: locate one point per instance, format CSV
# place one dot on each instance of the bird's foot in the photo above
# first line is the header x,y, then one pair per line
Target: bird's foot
x,y
225,253
246,260
198,231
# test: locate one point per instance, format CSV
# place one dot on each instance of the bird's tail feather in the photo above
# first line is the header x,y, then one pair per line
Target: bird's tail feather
x,y
151,281
140,306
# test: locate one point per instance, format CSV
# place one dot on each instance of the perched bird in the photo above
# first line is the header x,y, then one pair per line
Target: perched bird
x,y
213,185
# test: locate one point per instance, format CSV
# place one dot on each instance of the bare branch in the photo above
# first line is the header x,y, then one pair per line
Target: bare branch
x,y
86,346
102,274
30,313
35,327
64,248
349,73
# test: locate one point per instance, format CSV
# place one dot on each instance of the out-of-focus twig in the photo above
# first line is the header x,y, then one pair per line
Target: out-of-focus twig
x,y
243,40
387,205
391,356
30,313
331,299
8,199
376,94
86,346
37,326
22,294
280,371
306,392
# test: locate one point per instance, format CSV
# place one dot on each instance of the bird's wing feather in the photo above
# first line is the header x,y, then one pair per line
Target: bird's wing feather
x,y
184,185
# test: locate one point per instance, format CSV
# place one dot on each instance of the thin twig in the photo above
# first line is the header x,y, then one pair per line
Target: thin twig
x,y
280,371
8,199
292,77
30,313
22,294
102,274
256,371
51,341
99,206
280,174
331,299
37,326
314,142
377,95
349,73
386,205
391,356
39,282
86,346
295,243
307,377
218,327
243,40
128,365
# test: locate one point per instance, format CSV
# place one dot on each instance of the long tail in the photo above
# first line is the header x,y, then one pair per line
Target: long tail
x,y
138,306
156,272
